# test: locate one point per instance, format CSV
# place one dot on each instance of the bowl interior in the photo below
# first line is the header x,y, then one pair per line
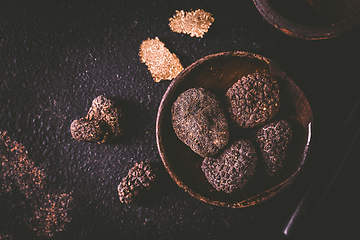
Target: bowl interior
x,y
217,73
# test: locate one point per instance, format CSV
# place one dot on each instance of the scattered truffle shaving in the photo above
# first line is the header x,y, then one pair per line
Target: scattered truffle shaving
x,y
49,210
6,237
17,169
195,23
162,64
141,177
50,213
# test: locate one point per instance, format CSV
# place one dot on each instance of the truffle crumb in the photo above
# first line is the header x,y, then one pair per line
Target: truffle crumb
x,y
102,123
141,177
162,64
200,122
17,169
195,23
233,168
6,237
49,211
274,139
254,99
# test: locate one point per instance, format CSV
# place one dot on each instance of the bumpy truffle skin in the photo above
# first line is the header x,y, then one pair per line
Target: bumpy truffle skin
x,y
233,168
103,122
86,130
103,109
200,122
252,100
274,139
141,177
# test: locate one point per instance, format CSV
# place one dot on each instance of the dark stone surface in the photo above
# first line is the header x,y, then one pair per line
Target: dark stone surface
x,y
57,56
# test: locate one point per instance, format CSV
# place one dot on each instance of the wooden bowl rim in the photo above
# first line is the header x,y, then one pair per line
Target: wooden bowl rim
x,y
302,31
251,200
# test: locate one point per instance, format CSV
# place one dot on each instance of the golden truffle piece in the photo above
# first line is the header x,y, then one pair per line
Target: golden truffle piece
x,y
195,23
162,64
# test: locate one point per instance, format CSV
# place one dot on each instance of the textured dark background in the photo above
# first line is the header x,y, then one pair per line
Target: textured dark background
x,y
57,56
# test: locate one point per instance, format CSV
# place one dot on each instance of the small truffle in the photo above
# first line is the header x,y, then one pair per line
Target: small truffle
x,y
85,130
200,122
233,168
103,122
195,23
162,64
141,177
104,109
252,100
274,139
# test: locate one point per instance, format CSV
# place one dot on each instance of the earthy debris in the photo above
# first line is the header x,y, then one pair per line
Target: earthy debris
x,y
233,168
274,139
17,169
49,210
141,177
195,23
6,237
200,122
103,122
50,213
162,64
252,100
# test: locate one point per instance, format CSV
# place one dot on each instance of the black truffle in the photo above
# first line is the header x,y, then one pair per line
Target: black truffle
x,y
102,123
200,122
104,109
141,177
85,130
274,139
233,168
252,100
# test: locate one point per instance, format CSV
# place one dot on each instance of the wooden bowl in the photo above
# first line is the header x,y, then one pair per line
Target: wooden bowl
x,y
311,19
217,73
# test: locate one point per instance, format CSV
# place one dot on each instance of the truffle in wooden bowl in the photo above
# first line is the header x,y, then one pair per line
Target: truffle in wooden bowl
x,y
216,74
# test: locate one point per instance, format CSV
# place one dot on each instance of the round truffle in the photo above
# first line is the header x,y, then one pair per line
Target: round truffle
x,y
141,177
233,168
252,100
274,139
200,122
85,130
